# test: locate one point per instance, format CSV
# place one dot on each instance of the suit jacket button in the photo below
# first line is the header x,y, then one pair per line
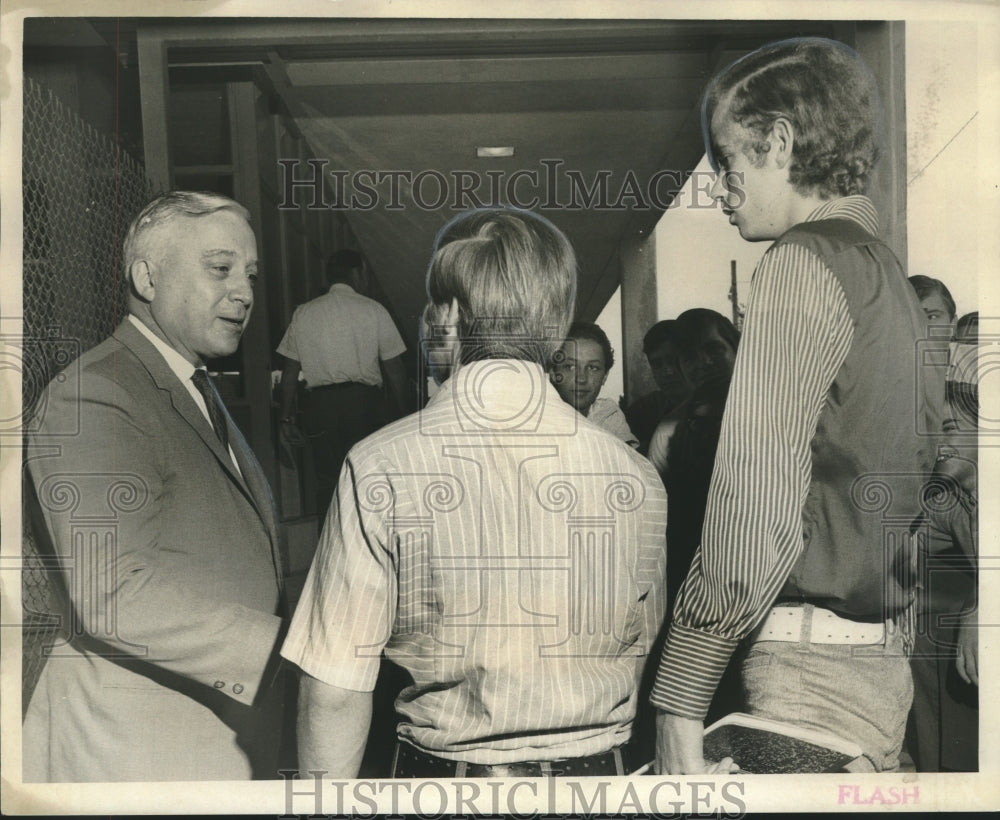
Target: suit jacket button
x,y
220,684
237,688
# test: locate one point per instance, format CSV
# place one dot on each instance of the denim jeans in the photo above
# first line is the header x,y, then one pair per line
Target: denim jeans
x,y
861,693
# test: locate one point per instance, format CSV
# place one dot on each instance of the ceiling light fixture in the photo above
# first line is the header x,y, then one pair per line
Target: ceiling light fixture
x,y
495,151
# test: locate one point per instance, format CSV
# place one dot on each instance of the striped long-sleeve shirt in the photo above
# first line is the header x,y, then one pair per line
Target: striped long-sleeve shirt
x,y
797,334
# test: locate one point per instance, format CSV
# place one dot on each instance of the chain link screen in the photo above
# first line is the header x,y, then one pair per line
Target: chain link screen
x,y
80,192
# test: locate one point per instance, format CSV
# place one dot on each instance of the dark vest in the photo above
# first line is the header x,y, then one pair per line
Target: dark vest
x,y
875,441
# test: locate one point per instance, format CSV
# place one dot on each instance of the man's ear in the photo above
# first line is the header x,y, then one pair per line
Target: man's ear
x,y
141,276
782,140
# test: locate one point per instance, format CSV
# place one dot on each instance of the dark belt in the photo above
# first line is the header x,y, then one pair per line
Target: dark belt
x,y
411,762
340,386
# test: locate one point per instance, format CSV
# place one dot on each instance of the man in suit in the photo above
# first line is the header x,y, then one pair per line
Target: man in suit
x,y
163,527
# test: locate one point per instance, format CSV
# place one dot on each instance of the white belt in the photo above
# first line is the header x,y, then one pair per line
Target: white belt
x,y
793,623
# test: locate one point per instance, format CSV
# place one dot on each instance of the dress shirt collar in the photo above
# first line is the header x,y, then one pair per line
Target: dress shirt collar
x,y
857,208
181,367
183,370
341,286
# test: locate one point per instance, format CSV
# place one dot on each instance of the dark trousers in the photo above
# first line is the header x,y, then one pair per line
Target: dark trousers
x,y
943,731
337,417
412,762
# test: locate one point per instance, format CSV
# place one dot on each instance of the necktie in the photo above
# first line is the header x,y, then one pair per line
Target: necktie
x,y
215,411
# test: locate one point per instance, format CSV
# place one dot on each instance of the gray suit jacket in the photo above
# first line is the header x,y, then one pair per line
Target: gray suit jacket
x,y
170,576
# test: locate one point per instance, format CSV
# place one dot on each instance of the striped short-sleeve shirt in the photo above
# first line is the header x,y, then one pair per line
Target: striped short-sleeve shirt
x,y
507,553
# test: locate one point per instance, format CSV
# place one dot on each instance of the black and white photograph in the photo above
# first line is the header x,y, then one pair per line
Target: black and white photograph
x,y
551,408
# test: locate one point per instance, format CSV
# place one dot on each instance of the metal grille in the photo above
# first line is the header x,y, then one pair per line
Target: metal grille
x,y
80,191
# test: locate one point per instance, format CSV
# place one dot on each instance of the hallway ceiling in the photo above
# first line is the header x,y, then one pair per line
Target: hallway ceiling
x,y
616,100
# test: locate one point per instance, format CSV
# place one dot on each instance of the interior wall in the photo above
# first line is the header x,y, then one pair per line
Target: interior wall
x,y
695,249
943,96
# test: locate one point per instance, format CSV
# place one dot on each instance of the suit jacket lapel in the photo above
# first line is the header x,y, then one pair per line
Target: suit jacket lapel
x,y
166,380
260,490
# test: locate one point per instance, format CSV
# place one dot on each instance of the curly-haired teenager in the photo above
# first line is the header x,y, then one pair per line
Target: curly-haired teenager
x,y
819,427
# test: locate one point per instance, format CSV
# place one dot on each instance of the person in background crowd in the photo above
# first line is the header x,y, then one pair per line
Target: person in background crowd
x,y
967,328
457,544
943,729
706,343
683,451
937,305
684,444
346,345
962,386
823,396
659,347
170,653
579,370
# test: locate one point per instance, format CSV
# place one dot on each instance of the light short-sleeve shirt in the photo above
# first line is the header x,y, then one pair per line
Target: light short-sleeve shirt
x,y
506,553
341,336
606,414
